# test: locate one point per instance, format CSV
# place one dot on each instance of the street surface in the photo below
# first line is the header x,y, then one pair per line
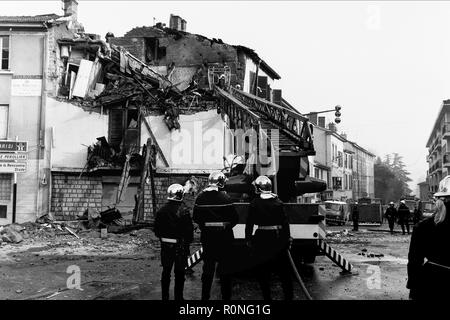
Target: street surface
x,y
127,267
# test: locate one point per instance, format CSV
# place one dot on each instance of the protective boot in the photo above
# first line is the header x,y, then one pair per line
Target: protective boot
x,y
179,285
206,288
225,288
165,284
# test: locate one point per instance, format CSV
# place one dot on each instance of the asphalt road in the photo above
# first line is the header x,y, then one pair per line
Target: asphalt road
x,y
123,270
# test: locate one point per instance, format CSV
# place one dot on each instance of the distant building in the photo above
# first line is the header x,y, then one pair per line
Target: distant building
x,y
424,191
346,167
438,157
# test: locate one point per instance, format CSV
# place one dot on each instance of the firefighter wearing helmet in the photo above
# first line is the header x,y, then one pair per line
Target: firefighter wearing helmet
x,y
173,226
216,216
272,237
429,255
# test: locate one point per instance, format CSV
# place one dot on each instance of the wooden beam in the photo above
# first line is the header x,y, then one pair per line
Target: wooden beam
x,y
155,142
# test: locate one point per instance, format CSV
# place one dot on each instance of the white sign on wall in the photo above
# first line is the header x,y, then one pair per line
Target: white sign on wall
x,y
13,167
26,87
13,156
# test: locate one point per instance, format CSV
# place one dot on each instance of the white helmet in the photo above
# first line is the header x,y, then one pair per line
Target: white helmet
x,y
444,188
175,192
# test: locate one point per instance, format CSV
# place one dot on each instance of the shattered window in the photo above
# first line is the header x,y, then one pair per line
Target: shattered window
x,y
4,52
5,186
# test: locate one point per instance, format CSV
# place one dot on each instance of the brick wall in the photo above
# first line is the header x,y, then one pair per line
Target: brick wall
x,y
135,46
162,182
72,195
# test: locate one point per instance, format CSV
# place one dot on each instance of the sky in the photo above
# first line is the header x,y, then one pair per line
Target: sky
x,y
386,63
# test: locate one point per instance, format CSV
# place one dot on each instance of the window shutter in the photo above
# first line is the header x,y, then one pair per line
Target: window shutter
x,y
262,85
115,127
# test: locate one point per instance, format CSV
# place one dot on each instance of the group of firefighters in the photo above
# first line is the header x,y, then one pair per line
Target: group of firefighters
x,y
401,215
216,216
428,259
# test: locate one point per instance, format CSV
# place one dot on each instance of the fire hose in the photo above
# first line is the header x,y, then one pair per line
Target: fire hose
x,y
297,275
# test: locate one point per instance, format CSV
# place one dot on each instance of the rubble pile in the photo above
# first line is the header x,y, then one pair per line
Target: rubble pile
x,y
367,254
339,234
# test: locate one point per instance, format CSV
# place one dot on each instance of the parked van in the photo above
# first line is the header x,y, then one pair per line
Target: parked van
x,y
336,212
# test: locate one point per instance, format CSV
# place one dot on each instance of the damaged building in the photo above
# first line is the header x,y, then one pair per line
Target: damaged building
x,y
118,120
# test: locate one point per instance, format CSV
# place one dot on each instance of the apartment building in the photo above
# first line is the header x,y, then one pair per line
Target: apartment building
x,y
438,157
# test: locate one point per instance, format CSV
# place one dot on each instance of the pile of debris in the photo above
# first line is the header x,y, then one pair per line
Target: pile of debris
x,y
12,233
370,254
339,234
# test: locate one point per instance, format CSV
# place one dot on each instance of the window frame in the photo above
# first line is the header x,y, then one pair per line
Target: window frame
x,y
1,52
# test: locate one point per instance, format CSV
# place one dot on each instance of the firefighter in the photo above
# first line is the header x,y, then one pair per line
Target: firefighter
x,y
429,256
391,215
417,215
403,216
216,216
272,238
355,216
173,225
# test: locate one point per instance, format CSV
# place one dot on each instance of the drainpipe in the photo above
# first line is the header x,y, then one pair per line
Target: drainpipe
x,y
41,142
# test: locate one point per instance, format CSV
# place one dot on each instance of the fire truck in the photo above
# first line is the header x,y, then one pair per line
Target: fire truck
x,y
289,139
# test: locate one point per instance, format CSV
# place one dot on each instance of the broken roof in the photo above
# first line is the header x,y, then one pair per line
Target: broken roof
x,y
26,19
160,32
256,59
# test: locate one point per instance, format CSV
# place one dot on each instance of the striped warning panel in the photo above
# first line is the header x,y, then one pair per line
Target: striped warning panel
x,y
334,256
195,258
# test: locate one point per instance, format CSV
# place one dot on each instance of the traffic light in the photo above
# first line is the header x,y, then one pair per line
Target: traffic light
x,y
337,114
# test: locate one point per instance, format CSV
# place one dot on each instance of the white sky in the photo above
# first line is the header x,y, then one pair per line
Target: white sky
x,y
386,63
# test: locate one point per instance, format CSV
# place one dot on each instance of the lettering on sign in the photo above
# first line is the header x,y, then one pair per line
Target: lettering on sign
x,y
13,156
13,167
26,87
13,146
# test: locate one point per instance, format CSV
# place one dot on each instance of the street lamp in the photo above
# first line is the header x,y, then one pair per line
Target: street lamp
x,y
337,113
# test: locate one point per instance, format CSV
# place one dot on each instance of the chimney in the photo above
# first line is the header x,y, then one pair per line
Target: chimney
x,y
332,127
322,122
177,23
344,135
313,118
70,8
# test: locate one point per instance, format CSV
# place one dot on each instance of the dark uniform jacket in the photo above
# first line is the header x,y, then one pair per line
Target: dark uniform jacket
x,y
391,213
430,241
355,213
173,221
403,213
267,212
215,206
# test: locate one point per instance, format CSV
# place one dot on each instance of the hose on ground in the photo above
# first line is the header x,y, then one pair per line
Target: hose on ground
x,y
299,279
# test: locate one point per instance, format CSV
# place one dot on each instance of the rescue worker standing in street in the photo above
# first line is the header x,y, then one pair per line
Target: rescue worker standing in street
x,y
355,216
403,216
173,225
429,256
272,238
391,215
216,216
